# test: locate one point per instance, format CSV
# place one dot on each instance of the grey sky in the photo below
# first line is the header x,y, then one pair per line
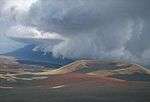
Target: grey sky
x,y
88,28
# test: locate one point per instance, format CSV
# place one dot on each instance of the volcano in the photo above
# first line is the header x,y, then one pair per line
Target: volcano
x,y
27,55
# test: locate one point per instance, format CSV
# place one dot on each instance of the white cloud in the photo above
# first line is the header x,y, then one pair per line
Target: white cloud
x,y
18,5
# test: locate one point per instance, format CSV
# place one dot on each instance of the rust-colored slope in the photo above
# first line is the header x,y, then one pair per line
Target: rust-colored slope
x,y
102,68
79,65
77,78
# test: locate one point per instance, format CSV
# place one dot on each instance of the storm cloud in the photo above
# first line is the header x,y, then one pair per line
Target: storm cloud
x,y
97,29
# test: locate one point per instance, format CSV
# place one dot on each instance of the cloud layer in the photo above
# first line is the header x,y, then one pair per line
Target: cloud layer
x,y
111,29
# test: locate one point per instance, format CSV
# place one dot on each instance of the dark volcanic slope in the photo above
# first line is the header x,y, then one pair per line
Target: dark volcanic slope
x,y
26,55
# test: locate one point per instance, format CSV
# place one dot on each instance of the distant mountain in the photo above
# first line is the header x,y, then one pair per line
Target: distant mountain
x,y
26,55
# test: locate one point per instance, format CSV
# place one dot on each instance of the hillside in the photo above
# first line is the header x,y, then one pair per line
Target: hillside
x,y
81,71
15,74
121,70
89,78
100,67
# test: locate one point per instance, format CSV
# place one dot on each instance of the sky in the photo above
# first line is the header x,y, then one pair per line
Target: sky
x,y
96,29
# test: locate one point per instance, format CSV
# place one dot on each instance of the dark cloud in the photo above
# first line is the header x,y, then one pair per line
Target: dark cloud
x,y
92,28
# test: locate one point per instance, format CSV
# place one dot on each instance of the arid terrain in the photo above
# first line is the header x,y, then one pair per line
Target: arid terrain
x,y
80,81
